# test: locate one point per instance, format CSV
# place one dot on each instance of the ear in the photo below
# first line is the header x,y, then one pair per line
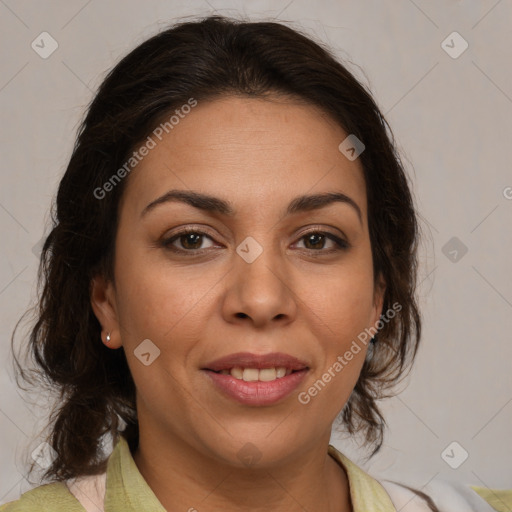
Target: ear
x,y
103,302
378,298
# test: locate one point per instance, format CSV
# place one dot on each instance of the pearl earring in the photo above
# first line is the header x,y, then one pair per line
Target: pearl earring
x,y
108,337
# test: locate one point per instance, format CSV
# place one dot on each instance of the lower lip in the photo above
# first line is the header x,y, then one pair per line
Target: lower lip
x,y
258,392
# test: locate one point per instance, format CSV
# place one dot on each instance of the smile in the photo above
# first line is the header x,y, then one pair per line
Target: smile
x,y
254,374
256,380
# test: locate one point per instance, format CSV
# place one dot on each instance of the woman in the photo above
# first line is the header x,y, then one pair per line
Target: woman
x,y
232,266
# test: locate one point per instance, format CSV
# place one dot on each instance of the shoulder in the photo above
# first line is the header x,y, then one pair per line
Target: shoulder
x,y
447,496
369,493
366,493
500,499
54,497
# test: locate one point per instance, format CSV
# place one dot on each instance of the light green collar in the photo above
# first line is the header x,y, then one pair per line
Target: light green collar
x,y
499,499
127,490
366,492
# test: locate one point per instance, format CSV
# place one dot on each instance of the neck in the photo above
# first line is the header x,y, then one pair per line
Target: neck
x,y
310,480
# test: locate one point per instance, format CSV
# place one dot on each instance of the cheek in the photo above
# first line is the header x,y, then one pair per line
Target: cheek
x,y
341,307
155,297
163,306
154,304
343,299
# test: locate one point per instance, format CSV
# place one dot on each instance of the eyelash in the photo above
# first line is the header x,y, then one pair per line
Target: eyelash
x,y
341,244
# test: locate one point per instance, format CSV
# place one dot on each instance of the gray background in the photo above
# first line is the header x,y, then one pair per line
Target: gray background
x,y
452,118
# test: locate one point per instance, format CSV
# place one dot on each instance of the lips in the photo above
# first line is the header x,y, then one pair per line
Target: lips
x,y
256,380
248,360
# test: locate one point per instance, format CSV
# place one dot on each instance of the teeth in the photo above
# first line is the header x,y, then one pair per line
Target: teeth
x,y
250,374
268,374
238,373
254,374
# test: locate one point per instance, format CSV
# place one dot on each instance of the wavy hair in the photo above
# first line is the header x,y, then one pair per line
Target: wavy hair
x,y
204,59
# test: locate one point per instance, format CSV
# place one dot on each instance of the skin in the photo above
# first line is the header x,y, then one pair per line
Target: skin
x,y
302,298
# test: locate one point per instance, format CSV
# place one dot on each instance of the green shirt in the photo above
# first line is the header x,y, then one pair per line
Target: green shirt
x,y
127,491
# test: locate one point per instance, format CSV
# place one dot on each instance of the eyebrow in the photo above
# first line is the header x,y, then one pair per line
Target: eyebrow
x,y
213,204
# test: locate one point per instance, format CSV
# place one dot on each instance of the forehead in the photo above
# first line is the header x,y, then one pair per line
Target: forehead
x,y
248,151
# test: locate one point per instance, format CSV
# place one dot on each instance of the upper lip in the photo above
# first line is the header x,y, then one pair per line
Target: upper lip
x,y
248,360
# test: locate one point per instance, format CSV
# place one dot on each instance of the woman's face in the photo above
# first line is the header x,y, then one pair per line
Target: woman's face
x,y
262,273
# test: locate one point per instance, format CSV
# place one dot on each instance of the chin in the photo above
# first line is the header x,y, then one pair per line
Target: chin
x,y
256,446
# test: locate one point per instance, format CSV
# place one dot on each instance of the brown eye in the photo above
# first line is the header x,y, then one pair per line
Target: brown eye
x,y
188,240
191,241
316,240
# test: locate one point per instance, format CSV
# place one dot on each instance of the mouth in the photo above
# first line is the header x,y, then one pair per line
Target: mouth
x,y
255,374
256,379
253,367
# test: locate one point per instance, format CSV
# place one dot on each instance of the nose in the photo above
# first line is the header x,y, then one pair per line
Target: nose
x,y
260,292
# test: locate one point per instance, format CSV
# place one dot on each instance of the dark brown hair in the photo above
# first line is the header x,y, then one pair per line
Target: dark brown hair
x,y
202,59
